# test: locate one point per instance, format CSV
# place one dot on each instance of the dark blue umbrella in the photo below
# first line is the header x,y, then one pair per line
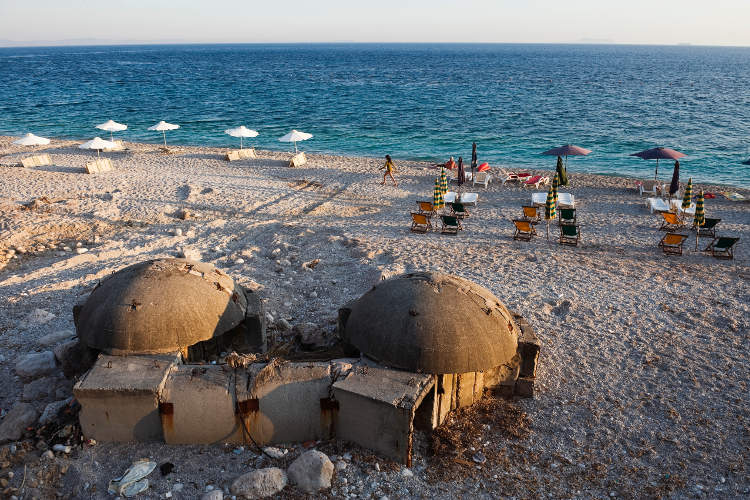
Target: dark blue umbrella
x,y
473,158
461,174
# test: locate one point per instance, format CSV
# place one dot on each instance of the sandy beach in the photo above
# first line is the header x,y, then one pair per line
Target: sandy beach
x,y
642,388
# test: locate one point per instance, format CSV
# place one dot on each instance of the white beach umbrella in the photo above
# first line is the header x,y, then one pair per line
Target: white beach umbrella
x,y
111,126
295,136
241,131
163,127
31,140
97,143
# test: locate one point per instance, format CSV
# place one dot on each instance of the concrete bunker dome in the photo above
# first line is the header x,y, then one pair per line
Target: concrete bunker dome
x,y
159,306
430,322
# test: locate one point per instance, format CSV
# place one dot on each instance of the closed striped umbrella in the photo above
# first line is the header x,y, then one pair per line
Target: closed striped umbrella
x,y
555,183
437,195
443,181
688,195
549,208
700,214
700,217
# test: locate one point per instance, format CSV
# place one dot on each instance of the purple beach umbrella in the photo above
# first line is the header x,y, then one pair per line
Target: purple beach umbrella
x,y
566,150
659,154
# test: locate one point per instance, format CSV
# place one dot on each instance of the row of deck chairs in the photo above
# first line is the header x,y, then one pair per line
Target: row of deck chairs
x,y
721,247
450,222
570,230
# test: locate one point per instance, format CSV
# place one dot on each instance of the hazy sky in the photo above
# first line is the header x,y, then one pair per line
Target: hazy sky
x,y
715,22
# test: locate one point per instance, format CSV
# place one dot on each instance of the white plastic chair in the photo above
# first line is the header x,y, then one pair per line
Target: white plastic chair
x,y
482,178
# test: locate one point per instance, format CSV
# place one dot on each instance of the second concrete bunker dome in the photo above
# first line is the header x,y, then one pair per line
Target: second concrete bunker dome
x,y
160,306
432,323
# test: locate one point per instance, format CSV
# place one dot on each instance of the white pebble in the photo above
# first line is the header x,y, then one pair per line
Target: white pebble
x,y
178,232
79,244
81,250
239,261
67,249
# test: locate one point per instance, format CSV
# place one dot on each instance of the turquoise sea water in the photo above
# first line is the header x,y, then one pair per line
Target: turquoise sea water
x,y
412,101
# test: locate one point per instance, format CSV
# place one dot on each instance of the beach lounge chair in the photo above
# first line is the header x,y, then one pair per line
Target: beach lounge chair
x,y
513,177
722,247
570,234
36,161
671,221
657,205
708,228
482,178
524,230
298,160
539,199
467,176
566,200
671,243
451,224
420,223
531,214
649,187
426,207
676,206
536,181
99,166
240,154
566,216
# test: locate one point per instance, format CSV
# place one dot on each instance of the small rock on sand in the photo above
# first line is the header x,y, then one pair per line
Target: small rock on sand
x,y
51,410
21,416
311,472
38,317
55,337
35,365
259,483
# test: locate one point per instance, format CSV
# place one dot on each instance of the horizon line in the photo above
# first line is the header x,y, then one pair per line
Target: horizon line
x,y
12,44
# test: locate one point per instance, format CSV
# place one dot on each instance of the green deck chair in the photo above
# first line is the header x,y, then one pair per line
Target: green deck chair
x,y
451,224
566,216
570,234
708,228
722,247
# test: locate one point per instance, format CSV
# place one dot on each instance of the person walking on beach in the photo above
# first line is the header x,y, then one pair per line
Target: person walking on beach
x,y
389,169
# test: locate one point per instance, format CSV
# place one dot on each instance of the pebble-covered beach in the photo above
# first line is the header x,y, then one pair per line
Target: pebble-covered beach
x,y
642,387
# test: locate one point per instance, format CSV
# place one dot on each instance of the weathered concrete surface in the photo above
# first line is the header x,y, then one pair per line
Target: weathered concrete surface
x,y
119,397
273,403
197,406
431,323
159,306
291,402
376,408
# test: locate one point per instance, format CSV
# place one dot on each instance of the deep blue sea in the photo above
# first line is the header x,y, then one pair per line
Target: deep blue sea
x,y
412,101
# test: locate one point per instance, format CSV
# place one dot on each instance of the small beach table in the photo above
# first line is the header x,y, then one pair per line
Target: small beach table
x,y
466,198
538,199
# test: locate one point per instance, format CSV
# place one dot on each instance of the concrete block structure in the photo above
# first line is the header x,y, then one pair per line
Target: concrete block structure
x,y
416,361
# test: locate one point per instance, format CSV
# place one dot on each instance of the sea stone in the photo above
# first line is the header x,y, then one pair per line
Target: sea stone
x,y
311,472
260,483
51,410
38,317
39,389
36,365
55,337
21,416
